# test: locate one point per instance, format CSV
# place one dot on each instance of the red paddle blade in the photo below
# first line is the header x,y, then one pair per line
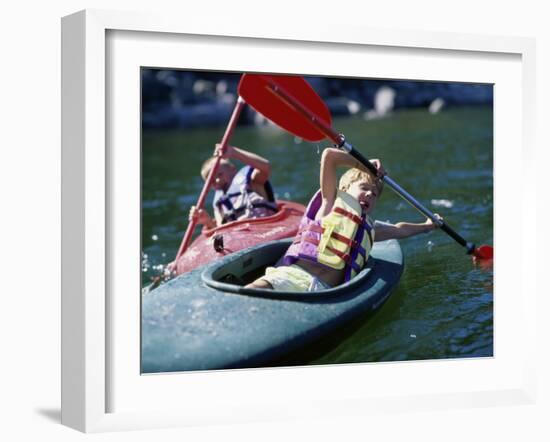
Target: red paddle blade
x,y
256,90
484,252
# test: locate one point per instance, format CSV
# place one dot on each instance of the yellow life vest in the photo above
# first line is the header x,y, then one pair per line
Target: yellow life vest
x,y
341,239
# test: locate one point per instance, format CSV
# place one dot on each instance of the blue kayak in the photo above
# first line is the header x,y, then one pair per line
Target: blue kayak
x,y
205,319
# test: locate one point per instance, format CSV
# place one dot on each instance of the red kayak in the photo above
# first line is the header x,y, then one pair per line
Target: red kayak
x,y
231,237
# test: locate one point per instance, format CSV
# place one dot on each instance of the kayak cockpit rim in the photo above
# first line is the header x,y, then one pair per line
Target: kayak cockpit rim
x,y
250,262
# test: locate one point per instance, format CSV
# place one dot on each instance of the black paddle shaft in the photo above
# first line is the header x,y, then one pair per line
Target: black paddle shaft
x,y
470,247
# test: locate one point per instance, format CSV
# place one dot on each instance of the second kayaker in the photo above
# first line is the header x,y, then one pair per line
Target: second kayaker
x,y
336,234
240,193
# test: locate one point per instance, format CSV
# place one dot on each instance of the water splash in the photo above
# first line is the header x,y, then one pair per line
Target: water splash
x,y
157,273
442,203
144,263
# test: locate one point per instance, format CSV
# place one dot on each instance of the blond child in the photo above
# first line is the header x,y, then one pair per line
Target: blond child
x,y
336,234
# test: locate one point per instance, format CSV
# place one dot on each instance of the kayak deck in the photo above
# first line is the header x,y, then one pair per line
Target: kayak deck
x,y
202,321
231,237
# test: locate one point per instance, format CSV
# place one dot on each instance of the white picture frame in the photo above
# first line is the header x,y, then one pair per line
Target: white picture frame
x,y
87,356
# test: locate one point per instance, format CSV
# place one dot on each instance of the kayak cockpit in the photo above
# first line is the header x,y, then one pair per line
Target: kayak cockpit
x,y
231,275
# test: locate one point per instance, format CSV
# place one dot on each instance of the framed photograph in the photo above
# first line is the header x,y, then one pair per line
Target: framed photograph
x,y
165,329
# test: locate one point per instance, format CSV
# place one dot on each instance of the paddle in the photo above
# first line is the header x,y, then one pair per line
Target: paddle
x,y
291,103
213,170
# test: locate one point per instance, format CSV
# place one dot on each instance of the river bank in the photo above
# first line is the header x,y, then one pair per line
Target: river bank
x,y
186,99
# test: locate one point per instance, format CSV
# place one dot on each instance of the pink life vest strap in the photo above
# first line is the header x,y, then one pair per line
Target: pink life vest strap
x,y
318,229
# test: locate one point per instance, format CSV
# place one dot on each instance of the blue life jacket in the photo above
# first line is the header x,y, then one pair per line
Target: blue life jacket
x,y
240,201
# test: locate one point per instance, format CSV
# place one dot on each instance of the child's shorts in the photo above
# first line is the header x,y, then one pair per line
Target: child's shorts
x,y
293,278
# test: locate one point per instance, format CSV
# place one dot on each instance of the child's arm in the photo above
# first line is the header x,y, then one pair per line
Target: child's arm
x,y
403,230
331,159
261,166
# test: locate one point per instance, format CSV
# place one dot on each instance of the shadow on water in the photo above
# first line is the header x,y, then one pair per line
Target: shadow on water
x,y
316,351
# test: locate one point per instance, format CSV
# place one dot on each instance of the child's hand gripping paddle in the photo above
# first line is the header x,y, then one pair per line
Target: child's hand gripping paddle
x,y
208,183
291,103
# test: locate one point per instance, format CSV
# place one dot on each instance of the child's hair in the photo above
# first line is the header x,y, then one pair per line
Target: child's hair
x,y
353,175
207,165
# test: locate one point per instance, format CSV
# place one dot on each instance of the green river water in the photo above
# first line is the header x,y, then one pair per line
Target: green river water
x,y
443,305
